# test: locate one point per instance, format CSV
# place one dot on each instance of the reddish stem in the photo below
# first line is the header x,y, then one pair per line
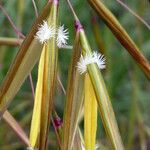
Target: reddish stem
x,y
56,132
11,22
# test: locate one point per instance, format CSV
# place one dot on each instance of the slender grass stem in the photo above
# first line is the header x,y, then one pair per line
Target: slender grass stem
x,y
73,12
134,14
8,118
61,85
32,85
17,42
11,22
35,8
10,41
56,132
133,109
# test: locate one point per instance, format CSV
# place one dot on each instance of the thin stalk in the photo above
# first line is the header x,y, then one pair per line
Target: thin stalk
x,y
8,118
20,10
121,34
17,42
61,85
32,85
10,41
57,135
35,8
97,35
132,115
73,12
134,14
11,22
141,127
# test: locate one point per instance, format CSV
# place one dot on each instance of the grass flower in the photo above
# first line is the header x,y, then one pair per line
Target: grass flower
x,y
62,36
45,32
96,57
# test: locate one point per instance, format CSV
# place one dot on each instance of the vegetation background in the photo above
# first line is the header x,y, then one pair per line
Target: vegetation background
x,y
127,85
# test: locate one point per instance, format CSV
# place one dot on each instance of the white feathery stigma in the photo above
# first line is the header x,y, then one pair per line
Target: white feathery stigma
x,y
95,57
62,36
45,32
100,60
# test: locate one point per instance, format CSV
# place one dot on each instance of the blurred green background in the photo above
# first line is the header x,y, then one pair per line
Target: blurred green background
x,y
127,85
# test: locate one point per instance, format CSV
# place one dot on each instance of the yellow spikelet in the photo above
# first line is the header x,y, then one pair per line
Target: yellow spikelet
x,y
35,124
90,115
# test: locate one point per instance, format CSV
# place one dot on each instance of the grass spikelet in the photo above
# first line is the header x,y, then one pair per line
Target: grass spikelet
x,y
74,99
90,114
103,100
36,116
49,78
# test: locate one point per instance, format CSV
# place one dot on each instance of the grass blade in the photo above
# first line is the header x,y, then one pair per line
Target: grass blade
x,y
121,35
23,63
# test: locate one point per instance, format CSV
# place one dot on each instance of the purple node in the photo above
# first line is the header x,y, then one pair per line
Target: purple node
x,y
78,25
57,122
